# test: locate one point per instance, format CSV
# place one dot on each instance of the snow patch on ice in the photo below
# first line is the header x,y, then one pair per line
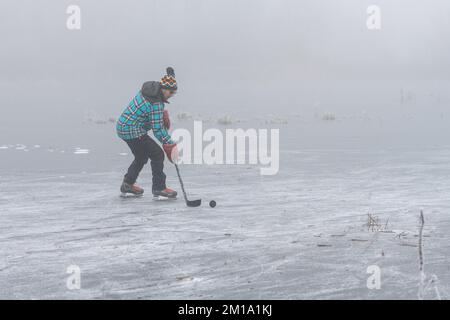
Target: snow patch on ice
x,y
20,147
81,151
277,120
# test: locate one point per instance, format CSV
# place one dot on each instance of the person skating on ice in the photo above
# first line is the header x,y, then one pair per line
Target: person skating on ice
x,y
144,113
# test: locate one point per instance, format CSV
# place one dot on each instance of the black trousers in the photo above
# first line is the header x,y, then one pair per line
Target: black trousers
x,y
145,148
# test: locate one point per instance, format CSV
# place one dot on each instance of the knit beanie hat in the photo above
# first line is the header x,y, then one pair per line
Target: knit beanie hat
x,y
168,81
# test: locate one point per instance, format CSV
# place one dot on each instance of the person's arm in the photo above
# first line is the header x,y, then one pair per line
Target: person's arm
x,y
163,136
160,132
166,119
156,118
158,127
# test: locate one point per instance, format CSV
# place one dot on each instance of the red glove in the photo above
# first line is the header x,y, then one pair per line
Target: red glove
x,y
171,151
166,119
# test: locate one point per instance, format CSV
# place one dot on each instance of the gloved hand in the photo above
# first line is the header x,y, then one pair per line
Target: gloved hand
x,y
171,151
166,119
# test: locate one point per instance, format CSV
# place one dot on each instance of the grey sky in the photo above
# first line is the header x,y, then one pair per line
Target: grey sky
x,y
252,51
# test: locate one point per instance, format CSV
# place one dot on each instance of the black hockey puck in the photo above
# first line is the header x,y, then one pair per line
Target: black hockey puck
x,y
212,203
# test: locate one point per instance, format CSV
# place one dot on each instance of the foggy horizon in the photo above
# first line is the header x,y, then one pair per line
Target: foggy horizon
x,y
253,51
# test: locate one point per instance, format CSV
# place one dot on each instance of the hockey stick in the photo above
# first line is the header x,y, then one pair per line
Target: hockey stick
x,y
189,203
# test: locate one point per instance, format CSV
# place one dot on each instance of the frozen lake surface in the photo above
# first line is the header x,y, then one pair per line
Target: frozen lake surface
x,y
301,234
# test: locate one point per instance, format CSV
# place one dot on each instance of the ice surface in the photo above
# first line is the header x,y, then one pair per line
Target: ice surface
x,y
301,234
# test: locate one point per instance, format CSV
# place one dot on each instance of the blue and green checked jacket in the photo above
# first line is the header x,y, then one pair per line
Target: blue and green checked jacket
x,y
141,116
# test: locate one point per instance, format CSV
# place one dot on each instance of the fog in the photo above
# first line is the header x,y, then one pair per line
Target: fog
x,y
243,58
363,125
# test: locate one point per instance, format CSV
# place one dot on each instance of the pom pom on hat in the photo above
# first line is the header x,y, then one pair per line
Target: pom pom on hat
x,y
168,81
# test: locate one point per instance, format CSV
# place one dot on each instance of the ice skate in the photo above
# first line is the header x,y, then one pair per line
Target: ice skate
x,y
165,194
130,190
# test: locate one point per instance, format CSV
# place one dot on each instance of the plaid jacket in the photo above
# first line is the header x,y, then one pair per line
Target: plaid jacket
x,y
141,116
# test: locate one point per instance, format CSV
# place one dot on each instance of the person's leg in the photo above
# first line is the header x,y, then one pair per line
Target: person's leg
x,y
139,149
156,155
